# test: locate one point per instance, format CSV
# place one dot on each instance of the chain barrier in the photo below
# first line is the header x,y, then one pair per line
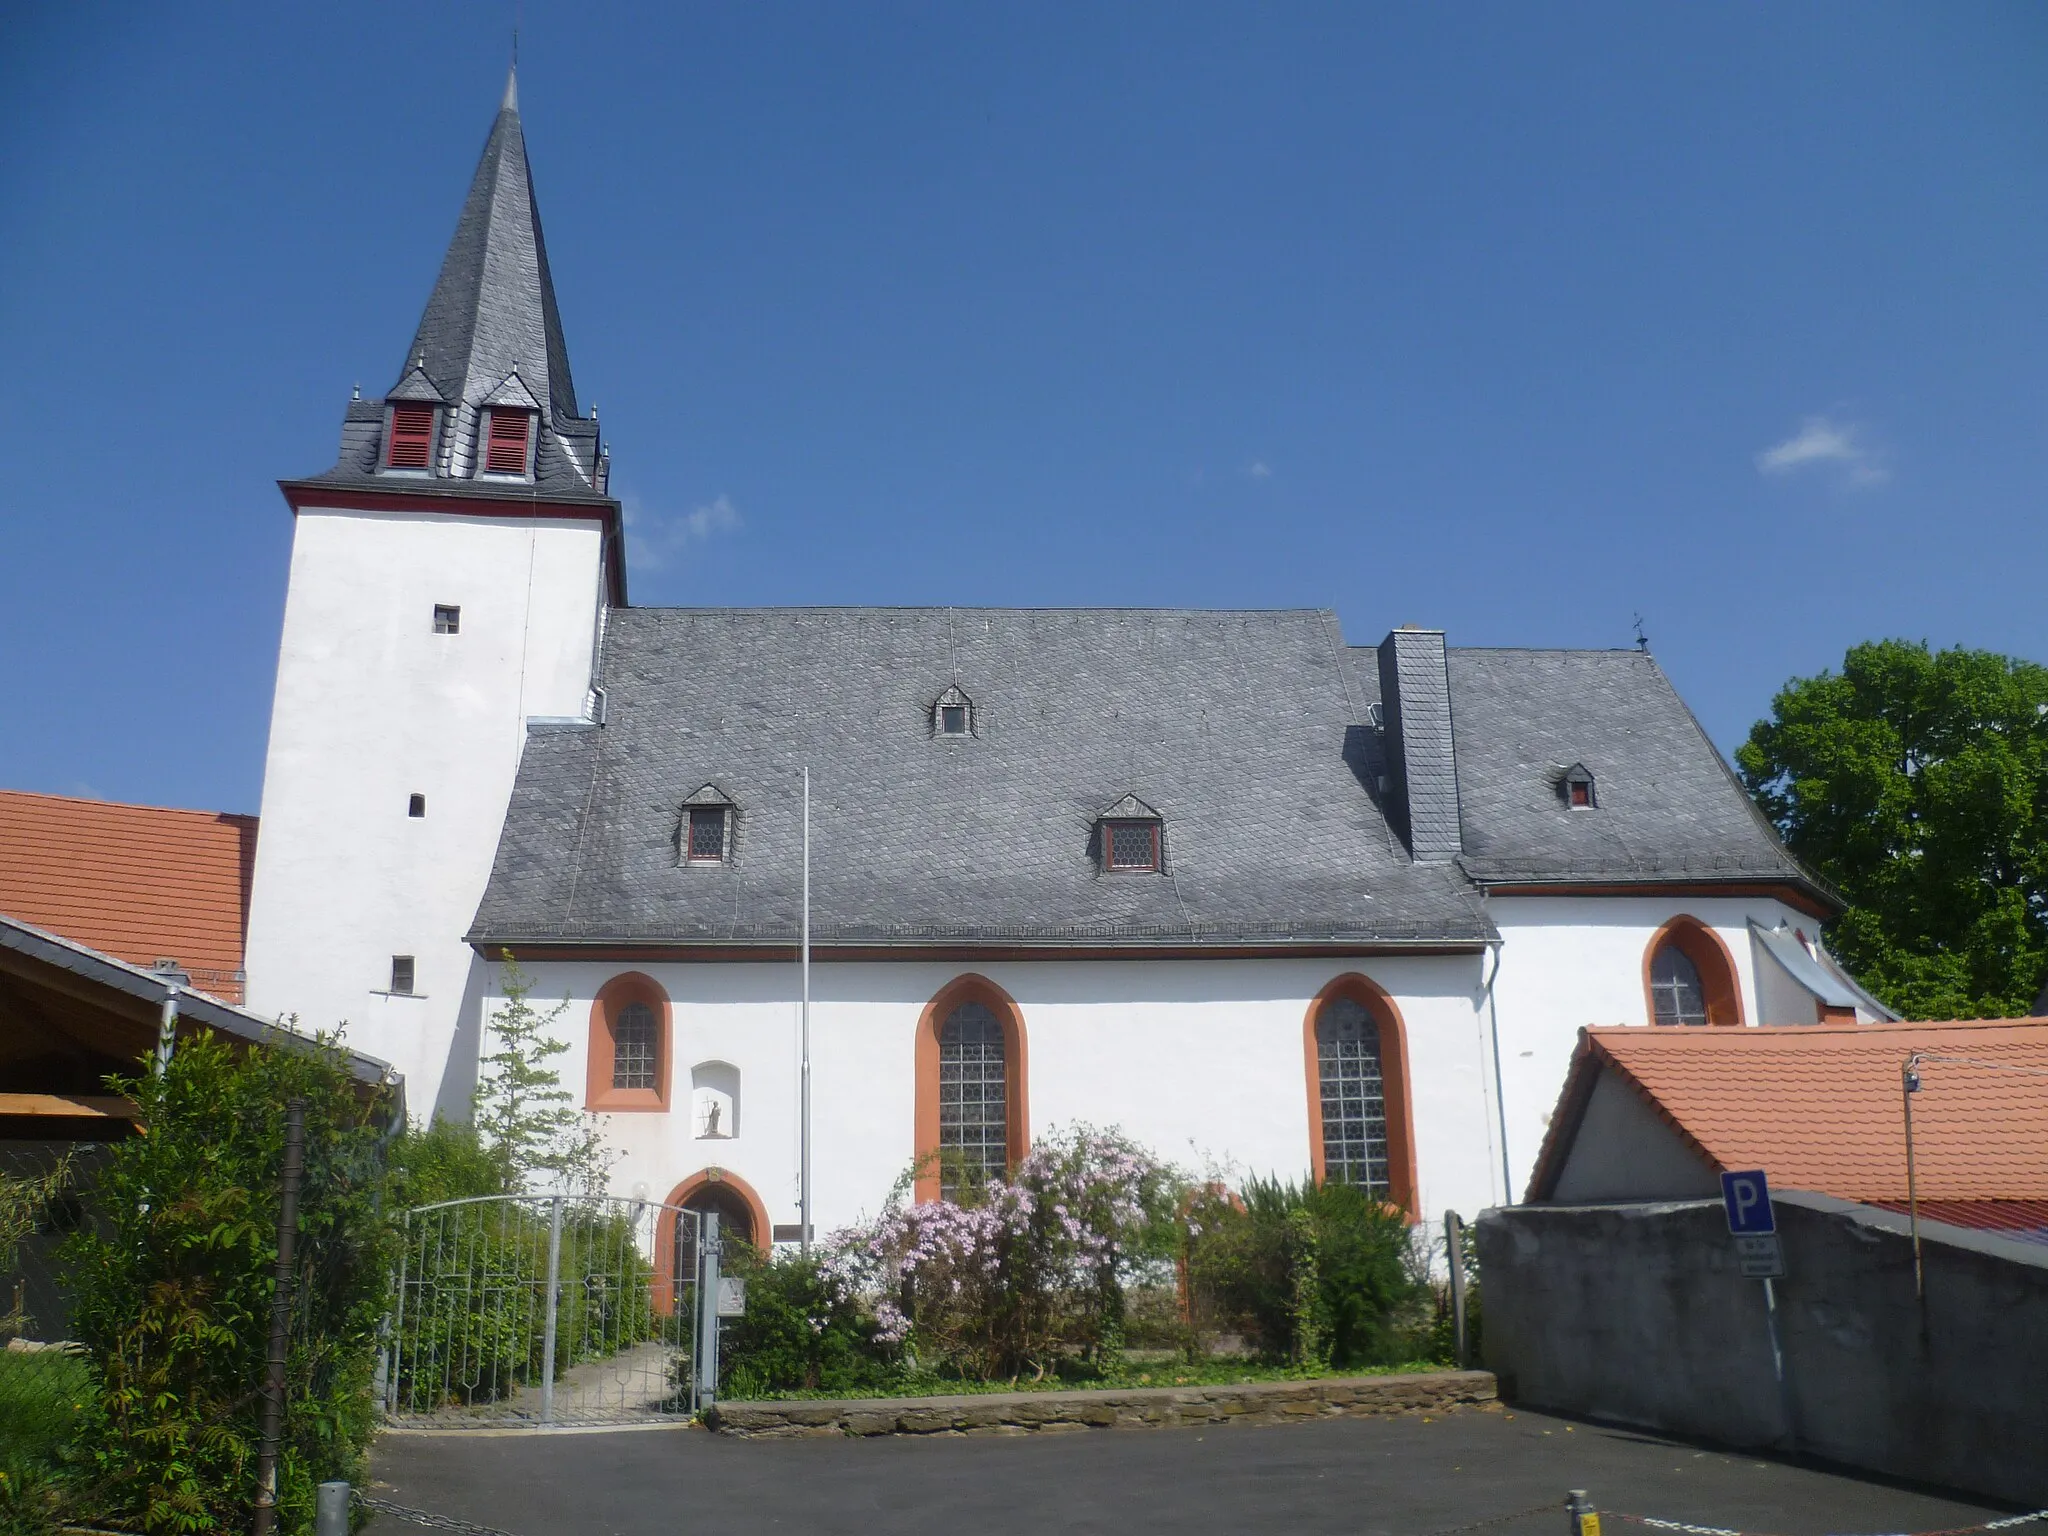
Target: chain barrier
x,y
2006,1524
423,1517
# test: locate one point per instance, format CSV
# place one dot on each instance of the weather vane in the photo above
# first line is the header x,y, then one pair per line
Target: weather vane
x,y
1642,640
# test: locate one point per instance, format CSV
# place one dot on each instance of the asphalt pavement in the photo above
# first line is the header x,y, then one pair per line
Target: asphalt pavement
x,y
1363,1477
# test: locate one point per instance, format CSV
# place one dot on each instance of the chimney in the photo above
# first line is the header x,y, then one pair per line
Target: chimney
x,y
1422,769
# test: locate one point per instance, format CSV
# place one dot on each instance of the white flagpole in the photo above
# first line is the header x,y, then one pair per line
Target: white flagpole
x,y
804,1132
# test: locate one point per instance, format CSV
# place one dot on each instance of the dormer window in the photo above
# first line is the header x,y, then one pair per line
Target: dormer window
x,y
1132,844
1129,833
705,835
411,443
1577,788
953,714
506,443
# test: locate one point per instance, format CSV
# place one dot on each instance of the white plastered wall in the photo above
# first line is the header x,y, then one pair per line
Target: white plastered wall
x,y
1202,1061
1571,961
371,707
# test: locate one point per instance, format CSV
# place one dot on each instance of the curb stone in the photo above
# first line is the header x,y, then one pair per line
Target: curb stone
x,y
1012,1413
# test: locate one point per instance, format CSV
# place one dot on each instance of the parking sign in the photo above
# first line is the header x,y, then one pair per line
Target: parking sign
x,y
1747,1197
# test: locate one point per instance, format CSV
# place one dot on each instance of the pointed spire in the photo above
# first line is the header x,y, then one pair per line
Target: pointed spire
x,y
493,305
511,101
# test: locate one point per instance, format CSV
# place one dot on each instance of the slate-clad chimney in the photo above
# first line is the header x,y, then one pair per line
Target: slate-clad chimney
x,y
1422,769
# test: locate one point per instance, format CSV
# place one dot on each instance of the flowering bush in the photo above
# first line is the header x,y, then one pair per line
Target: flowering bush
x,y
1028,1273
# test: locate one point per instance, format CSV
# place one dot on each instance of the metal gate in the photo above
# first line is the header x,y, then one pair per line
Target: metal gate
x,y
543,1310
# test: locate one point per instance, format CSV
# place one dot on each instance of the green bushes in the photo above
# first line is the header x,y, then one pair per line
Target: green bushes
x,y
174,1291
1314,1274
802,1332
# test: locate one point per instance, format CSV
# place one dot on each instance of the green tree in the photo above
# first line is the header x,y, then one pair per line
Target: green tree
x,y
522,1113
1916,782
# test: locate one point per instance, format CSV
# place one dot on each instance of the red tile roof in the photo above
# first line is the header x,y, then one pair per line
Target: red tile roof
x,y
1822,1108
136,881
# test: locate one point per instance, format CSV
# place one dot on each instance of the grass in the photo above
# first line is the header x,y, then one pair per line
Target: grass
x,y
1214,1371
40,1396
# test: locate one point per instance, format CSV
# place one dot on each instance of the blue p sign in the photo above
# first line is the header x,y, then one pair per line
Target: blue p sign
x,y
1748,1199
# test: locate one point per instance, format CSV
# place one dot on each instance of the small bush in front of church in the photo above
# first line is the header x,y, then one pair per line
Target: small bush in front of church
x,y
1310,1274
804,1331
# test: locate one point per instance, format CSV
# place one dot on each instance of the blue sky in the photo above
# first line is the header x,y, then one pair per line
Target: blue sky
x,y
1516,320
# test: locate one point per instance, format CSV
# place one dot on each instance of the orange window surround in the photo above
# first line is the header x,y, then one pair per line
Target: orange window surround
x,y
1709,956
612,1001
1393,1033
1016,1080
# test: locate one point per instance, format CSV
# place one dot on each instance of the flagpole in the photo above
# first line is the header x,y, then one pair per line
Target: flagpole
x,y
804,1131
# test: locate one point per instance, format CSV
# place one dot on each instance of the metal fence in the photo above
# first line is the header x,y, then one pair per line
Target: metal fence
x,y
43,1376
543,1310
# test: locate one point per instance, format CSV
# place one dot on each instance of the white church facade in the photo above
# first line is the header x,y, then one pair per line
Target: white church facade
x,y
1265,900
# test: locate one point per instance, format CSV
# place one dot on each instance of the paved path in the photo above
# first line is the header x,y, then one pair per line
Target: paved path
x,y
1362,1477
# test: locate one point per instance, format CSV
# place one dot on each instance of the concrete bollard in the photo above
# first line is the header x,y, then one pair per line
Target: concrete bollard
x,y
330,1510
1579,1511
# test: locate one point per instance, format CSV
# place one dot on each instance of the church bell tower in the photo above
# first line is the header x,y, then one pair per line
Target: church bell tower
x,y
449,578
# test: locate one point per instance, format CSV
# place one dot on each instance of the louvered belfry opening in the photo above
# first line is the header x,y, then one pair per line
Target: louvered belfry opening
x,y
412,436
505,453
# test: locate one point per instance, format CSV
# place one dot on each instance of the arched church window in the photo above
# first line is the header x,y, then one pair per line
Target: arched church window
x,y
1689,977
628,1062
1354,1099
974,1099
1675,990
634,1047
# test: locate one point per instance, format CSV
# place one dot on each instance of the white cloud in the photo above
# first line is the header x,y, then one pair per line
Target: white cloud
x,y
1827,443
659,537
1259,469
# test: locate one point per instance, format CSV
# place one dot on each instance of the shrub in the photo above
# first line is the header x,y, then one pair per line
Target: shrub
x,y
1028,1275
174,1292
1311,1273
803,1331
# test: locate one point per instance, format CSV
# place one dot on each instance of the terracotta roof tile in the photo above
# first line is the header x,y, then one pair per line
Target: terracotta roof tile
x,y
1821,1108
139,882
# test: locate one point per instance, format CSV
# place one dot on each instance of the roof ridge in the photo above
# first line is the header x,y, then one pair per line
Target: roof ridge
x,y
126,805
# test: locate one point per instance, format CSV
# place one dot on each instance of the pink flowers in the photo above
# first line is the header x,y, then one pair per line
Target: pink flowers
x,y
1030,1270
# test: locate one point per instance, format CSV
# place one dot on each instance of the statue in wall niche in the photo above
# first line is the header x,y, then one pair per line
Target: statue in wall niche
x,y
711,1120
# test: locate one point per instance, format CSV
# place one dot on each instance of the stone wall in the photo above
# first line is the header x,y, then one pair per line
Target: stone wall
x,y
1639,1314
1266,1402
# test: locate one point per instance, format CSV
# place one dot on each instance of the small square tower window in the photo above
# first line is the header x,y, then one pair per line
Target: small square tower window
x,y
1132,844
447,619
953,719
401,974
505,448
1577,785
707,834
412,436
416,805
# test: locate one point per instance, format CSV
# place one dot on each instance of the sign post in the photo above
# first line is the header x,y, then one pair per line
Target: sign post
x,y
1746,1197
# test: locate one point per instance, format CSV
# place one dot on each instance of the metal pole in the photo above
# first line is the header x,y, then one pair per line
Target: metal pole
x,y
707,1310
1909,1084
804,1150
1581,1518
1778,1362
280,1316
1454,1245
330,1510
547,1347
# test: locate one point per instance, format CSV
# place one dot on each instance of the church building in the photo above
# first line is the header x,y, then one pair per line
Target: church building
x,y
1265,899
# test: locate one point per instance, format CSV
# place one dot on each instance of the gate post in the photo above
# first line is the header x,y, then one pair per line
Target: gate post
x,y
1454,1249
707,1309
547,1370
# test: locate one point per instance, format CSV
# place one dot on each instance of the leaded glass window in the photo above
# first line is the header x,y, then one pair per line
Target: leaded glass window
x,y
974,1099
1675,990
707,834
633,1047
1133,844
1354,1095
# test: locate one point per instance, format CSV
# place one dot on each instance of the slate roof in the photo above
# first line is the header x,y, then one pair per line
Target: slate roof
x,y
1668,807
492,311
1243,730
139,882
1819,1108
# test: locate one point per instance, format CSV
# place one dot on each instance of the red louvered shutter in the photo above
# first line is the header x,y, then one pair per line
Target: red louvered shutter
x,y
412,436
506,454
